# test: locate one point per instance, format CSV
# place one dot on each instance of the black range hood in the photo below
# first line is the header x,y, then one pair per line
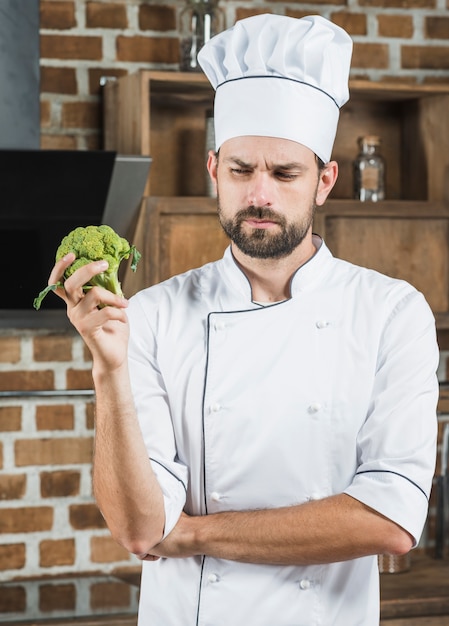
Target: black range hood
x,y
46,193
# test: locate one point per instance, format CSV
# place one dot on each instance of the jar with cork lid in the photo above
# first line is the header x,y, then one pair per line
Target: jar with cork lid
x,y
369,170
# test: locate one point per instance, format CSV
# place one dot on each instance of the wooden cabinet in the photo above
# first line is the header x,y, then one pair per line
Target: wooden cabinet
x,y
418,597
174,234
163,114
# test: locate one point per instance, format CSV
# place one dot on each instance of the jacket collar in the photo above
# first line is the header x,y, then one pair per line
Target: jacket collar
x,y
304,277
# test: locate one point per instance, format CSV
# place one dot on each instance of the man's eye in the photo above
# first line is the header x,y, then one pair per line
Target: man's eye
x,y
239,171
286,175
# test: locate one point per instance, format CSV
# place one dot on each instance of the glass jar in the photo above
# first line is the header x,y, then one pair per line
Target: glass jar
x,y
199,21
369,171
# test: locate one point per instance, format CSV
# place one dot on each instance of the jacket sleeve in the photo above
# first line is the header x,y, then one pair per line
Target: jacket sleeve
x,y
397,442
153,411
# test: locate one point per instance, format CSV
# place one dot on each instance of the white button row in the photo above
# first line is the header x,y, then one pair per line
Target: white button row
x,y
313,407
304,584
220,324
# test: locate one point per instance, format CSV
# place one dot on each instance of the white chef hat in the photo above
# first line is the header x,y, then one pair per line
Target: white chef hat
x,y
278,76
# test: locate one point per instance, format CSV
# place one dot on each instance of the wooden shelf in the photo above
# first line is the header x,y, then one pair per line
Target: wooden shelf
x,y
163,114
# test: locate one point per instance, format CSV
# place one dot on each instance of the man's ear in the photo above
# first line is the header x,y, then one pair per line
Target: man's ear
x,y
212,164
327,179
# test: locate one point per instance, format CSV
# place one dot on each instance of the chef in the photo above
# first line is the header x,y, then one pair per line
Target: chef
x,y
273,428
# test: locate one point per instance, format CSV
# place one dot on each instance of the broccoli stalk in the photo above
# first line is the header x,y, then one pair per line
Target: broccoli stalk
x,y
94,243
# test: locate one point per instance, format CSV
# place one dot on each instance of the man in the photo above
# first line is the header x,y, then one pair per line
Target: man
x,y
265,424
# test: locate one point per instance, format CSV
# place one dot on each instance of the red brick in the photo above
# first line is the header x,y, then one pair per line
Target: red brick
x,y
52,348
109,594
241,12
90,415
27,380
13,599
12,486
54,451
79,379
437,27
148,49
56,552
60,484
55,417
12,556
318,2
9,349
71,47
60,597
57,15
436,80
370,55
400,26
58,80
58,142
81,115
87,356
106,15
93,141
26,519
422,57
106,550
157,17
45,116
85,516
10,418
353,23
402,4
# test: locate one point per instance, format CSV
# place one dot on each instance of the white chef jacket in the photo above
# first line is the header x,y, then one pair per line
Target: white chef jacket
x,y
246,407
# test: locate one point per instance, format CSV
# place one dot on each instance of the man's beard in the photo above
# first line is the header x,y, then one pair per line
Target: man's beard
x,y
261,243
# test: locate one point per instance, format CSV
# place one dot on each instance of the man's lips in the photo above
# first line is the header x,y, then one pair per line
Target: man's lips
x,y
260,223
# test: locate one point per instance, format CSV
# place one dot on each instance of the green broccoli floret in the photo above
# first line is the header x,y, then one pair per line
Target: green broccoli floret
x,y
94,243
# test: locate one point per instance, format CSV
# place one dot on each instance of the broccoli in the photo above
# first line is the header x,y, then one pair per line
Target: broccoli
x,y
94,243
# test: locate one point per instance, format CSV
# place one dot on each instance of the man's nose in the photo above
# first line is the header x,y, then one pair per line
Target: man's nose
x,y
260,190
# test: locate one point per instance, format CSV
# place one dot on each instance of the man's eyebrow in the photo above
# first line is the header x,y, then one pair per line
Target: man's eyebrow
x,y
291,166
238,161
288,166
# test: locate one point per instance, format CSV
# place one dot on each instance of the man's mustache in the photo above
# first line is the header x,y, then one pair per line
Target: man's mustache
x,y
259,213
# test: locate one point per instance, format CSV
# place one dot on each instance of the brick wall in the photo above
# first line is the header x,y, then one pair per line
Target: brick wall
x,y
49,523
82,41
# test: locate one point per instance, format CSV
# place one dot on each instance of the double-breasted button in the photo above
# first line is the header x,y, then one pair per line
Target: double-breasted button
x,y
304,584
314,407
320,324
213,578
